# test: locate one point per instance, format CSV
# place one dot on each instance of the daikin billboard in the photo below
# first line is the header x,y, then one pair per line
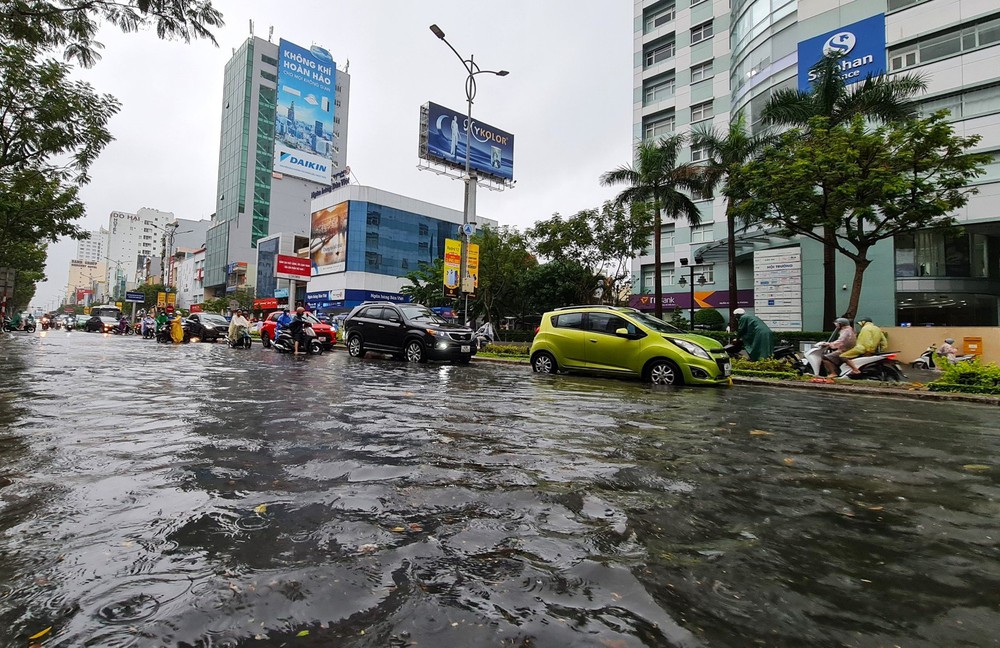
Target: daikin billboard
x,y
445,140
303,124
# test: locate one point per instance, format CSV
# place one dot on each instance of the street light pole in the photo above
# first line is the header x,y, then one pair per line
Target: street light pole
x,y
471,180
701,282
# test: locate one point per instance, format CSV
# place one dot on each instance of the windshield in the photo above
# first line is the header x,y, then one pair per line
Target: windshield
x,y
214,319
657,325
106,311
421,314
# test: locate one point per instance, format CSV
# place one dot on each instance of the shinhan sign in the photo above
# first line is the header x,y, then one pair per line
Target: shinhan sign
x,y
862,45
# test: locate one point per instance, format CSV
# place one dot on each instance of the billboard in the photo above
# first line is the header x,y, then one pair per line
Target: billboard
x,y
444,139
472,270
303,123
290,267
328,240
862,45
452,266
777,278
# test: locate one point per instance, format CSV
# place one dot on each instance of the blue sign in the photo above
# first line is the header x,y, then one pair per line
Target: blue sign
x,y
318,296
136,297
862,45
280,293
492,150
303,123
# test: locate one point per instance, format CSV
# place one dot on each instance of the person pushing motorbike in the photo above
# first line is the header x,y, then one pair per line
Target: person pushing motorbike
x,y
757,338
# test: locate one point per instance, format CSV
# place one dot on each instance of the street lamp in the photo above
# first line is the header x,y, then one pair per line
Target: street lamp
x,y
471,181
701,282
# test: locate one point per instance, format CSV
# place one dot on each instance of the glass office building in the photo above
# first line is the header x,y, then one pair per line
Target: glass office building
x,y
705,61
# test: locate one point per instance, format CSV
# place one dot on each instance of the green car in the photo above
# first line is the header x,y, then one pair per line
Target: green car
x,y
625,341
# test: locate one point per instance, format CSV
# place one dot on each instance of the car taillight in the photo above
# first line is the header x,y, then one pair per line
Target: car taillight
x,y
537,329
891,356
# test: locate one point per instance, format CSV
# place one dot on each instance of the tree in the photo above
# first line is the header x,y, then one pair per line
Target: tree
x,y
727,152
658,179
426,283
73,24
242,296
558,283
881,99
604,240
504,263
709,319
863,184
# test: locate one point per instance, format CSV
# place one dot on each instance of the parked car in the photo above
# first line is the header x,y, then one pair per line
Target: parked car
x,y
324,333
410,331
207,327
625,341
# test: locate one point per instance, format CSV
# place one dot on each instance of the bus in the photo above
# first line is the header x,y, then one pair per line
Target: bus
x,y
106,310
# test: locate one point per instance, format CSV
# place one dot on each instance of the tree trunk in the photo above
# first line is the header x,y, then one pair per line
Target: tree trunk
x,y
657,279
731,256
860,265
829,276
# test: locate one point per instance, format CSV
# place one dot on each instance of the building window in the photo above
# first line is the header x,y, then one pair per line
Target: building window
x,y
373,258
701,234
934,253
270,77
896,5
374,218
270,61
945,44
701,32
424,246
699,153
423,230
658,90
701,72
657,16
707,270
371,239
701,111
660,53
660,127
970,103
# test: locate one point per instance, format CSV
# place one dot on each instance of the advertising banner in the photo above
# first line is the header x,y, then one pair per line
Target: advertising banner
x,y
289,267
265,304
862,45
281,293
452,266
328,240
195,308
171,300
161,299
303,125
472,271
492,151
702,299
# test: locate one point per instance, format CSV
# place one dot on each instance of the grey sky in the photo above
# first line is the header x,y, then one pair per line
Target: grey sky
x,y
567,101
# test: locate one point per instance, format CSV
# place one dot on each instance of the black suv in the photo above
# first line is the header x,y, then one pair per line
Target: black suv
x,y
410,331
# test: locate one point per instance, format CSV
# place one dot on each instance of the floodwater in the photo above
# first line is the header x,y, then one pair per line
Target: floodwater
x,y
197,496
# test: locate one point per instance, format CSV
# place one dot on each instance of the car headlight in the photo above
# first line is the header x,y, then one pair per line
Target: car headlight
x,y
691,348
209,326
436,333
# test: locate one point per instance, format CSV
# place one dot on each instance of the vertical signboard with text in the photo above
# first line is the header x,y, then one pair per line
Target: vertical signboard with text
x,y
328,240
303,125
472,271
452,266
777,288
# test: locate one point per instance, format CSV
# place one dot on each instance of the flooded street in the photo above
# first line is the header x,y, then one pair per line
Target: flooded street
x,y
197,496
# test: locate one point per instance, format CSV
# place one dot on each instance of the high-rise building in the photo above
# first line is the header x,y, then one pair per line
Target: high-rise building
x,y
272,157
703,62
133,240
93,248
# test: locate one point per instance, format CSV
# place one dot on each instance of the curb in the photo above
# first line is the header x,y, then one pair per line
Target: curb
x,y
858,389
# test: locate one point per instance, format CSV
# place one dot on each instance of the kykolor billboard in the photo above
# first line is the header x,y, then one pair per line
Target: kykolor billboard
x,y
862,45
492,151
303,125
328,240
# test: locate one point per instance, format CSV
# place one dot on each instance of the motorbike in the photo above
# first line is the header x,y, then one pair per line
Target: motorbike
x,y
149,332
26,325
928,359
284,343
878,366
242,341
45,323
784,351
118,331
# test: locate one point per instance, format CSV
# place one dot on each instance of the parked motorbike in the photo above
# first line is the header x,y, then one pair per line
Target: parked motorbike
x,y
784,351
929,358
878,366
285,344
242,341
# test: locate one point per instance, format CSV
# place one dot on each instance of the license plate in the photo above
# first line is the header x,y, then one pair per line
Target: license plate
x,y
466,348
727,369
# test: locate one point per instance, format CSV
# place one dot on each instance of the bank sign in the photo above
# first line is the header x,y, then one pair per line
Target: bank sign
x,y
303,124
862,45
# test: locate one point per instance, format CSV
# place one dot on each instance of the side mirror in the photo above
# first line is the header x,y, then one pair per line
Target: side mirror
x,y
394,320
623,332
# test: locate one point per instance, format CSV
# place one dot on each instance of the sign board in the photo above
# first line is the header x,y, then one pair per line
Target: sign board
x,y
161,299
281,293
861,45
443,138
452,266
86,310
777,277
290,267
471,270
328,239
195,308
69,309
136,297
265,304
303,124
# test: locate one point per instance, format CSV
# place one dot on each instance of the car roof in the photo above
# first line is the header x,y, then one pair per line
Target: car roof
x,y
616,309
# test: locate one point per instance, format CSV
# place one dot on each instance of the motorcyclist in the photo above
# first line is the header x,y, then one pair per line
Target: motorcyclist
x,y
161,321
297,328
485,335
16,322
948,350
148,325
757,338
123,325
238,321
845,339
870,340
283,321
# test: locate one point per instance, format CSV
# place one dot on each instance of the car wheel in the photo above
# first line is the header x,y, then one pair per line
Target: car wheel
x,y
264,340
543,362
415,351
663,372
355,346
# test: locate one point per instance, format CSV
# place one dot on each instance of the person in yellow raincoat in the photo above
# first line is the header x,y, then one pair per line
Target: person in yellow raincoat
x,y
176,330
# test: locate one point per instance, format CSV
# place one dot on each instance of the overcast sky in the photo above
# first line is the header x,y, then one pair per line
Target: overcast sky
x,y
567,101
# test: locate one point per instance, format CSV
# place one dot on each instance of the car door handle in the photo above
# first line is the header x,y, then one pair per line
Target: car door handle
x,y
593,340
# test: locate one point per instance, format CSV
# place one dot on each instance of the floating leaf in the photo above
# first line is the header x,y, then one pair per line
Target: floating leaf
x,y
40,634
260,510
875,508
760,433
416,528
398,529
303,633
789,461
976,467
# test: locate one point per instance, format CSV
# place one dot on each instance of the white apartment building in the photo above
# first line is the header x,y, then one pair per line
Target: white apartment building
x,y
704,61
190,277
85,275
94,248
133,239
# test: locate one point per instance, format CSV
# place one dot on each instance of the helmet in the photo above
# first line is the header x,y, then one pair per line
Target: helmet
x,y
739,311
842,321
862,320
949,340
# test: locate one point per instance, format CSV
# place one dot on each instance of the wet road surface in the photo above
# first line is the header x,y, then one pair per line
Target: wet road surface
x,y
197,496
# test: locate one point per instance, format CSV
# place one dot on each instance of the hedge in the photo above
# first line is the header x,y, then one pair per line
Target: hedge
x,y
970,377
782,375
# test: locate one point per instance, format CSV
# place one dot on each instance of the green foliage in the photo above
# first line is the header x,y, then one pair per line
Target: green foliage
x,y
504,263
559,283
677,319
506,350
971,377
426,284
709,318
766,364
243,297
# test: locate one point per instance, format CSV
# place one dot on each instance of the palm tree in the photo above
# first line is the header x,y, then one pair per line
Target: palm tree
x,y
726,151
880,99
658,179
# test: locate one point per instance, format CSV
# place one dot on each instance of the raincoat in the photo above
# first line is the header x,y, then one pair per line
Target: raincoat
x,y
176,330
161,321
870,339
756,336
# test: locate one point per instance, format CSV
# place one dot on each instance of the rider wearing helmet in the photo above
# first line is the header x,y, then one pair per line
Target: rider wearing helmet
x,y
871,339
948,350
756,336
844,339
